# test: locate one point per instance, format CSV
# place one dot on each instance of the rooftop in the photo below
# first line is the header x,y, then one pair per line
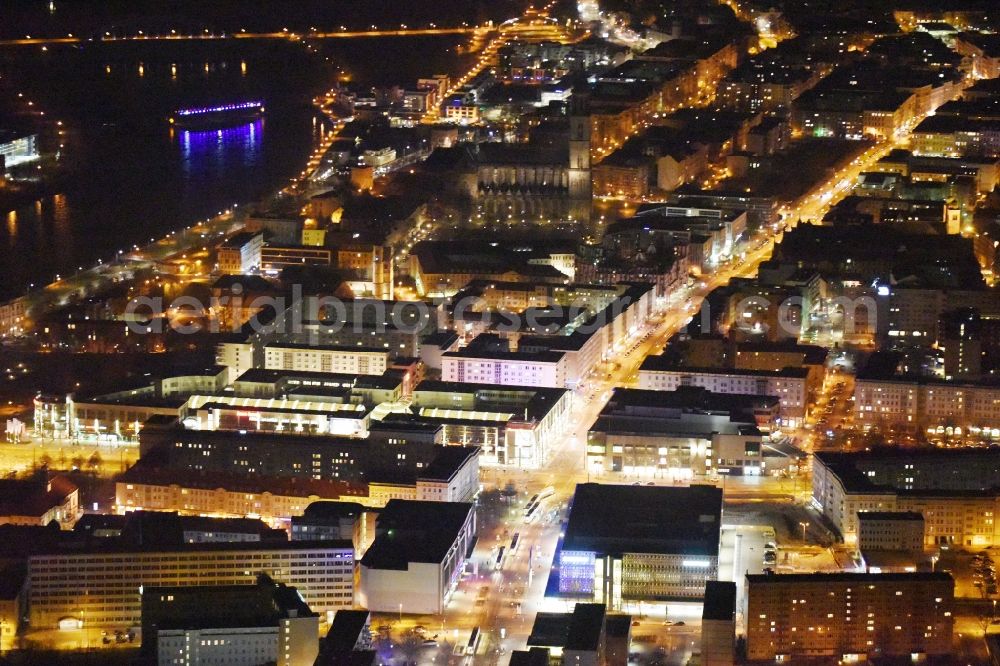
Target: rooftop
x,y
720,601
345,630
850,578
617,519
447,463
890,515
415,531
585,627
221,606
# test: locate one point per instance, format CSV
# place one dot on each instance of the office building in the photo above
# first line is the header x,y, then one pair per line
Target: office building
x,y
629,544
683,434
513,426
585,636
348,641
275,257
848,616
108,579
17,148
335,521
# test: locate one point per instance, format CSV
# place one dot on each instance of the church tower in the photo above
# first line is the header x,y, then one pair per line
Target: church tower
x,y
580,186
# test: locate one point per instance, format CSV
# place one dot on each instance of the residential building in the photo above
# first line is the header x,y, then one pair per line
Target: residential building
x,y
848,616
891,530
229,625
542,369
789,385
955,490
40,500
240,254
326,358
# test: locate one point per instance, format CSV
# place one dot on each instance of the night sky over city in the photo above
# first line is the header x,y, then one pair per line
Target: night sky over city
x,y
597,332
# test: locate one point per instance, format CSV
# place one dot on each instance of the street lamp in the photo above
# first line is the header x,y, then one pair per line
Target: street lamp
x,y
804,525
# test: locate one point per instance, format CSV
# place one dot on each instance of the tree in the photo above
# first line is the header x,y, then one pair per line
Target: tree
x,y
94,462
409,646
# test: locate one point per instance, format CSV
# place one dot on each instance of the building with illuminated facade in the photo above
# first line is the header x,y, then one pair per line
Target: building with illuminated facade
x,y
102,585
848,616
324,358
544,369
630,544
956,491
789,385
683,434
17,148
514,426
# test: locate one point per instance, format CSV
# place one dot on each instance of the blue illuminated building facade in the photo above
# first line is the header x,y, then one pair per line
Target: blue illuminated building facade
x,y
626,544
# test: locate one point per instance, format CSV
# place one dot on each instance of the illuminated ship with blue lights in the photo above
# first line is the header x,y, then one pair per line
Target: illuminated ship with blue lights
x,y
217,116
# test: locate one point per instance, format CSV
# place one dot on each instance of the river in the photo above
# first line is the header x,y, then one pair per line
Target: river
x,y
128,176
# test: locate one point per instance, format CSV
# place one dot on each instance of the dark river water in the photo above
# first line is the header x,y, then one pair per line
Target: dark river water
x,y
127,175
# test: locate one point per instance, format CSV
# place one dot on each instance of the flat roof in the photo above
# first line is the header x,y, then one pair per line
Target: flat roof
x,y
415,531
330,510
842,577
535,656
585,627
720,601
533,357
890,515
549,629
663,363
334,348
447,463
345,630
616,519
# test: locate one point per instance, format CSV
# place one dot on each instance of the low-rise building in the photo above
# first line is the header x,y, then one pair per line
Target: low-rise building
x,y
39,501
